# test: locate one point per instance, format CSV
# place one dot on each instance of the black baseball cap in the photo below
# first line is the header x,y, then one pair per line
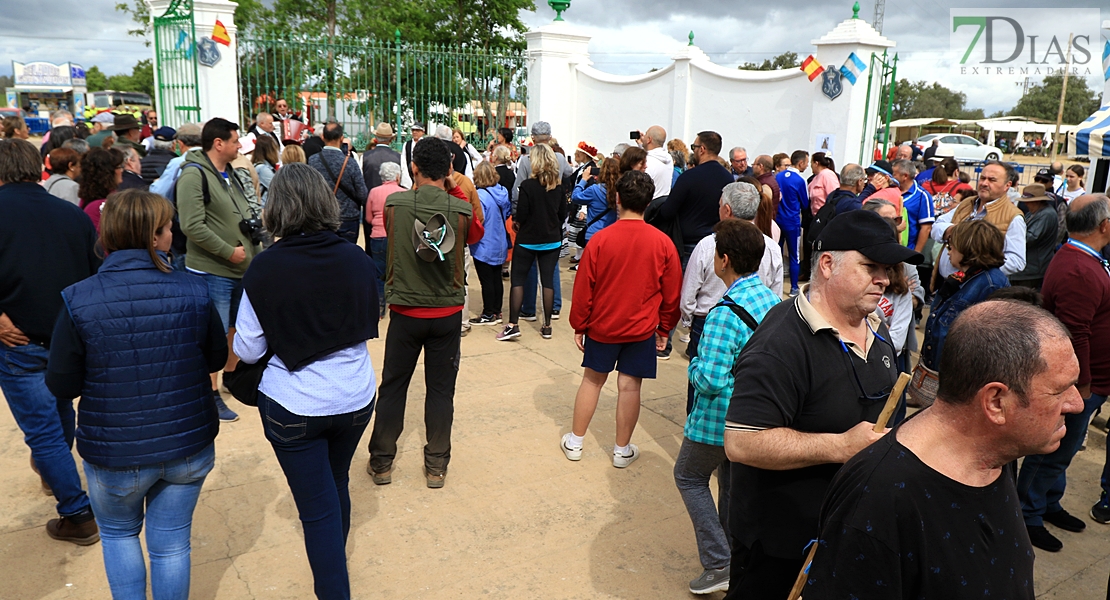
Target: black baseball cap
x,y
881,166
1043,175
867,233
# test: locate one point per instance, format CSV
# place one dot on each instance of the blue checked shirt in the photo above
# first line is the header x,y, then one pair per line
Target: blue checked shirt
x,y
722,339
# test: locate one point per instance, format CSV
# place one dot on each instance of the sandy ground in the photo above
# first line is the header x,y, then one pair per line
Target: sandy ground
x,y
516,519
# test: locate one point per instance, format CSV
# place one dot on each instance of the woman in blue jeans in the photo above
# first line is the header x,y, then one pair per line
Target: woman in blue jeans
x,y
317,391
146,421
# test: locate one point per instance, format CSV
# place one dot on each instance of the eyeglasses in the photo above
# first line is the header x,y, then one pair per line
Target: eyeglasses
x,y
865,398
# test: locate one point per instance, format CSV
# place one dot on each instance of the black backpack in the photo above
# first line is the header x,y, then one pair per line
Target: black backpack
x,y
740,311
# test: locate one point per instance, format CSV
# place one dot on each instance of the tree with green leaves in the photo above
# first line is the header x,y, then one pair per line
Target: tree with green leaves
x,y
786,60
95,79
1043,100
920,99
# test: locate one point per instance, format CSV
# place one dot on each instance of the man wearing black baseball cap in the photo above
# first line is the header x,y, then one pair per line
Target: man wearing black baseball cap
x,y
809,386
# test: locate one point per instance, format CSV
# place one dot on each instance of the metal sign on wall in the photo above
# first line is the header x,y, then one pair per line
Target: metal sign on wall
x,y
44,73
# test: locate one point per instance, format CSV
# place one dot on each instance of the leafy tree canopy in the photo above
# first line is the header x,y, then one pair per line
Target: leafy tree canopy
x,y
1043,100
920,99
786,60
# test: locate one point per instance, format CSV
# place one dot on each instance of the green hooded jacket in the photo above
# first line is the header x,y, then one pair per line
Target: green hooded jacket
x,y
213,229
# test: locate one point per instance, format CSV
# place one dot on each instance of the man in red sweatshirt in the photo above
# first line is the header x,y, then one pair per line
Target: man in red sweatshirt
x,y
626,297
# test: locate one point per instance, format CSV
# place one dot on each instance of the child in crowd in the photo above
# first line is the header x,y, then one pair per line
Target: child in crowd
x,y
625,303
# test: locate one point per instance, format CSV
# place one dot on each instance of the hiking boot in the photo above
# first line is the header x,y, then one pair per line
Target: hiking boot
x,y
711,580
621,461
434,481
571,453
45,486
527,316
1041,538
65,530
226,414
383,478
510,332
545,332
1065,520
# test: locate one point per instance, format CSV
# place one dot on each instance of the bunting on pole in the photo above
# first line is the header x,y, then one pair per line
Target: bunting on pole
x,y
1106,61
852,68
812,68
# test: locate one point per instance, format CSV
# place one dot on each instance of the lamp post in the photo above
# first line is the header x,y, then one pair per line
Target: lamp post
x,y
559,6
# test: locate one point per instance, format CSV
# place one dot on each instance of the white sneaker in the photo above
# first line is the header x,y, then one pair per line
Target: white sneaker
x,y
572,453
621,462
684,338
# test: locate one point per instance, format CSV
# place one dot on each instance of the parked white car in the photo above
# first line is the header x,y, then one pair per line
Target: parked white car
x,y
963,148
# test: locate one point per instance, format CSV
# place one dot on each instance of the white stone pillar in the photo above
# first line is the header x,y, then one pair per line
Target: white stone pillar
x,y
683,91
218,85
554,51
844,116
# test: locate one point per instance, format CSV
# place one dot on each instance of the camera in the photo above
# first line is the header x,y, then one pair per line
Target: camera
x,y
635,135
595,171
253,228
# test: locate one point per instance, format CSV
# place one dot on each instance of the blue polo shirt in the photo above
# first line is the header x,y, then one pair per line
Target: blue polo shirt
x,y
919,210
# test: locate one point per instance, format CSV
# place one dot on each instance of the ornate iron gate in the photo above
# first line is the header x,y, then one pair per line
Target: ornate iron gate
x,y
361,82
176,65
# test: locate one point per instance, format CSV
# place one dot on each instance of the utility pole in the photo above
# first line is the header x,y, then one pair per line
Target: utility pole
x,y
1063,94
1024,87
880,9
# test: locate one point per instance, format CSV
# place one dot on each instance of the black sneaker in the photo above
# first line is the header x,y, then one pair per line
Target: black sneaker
x,y
527,316
1041,538
663,354
485,320
545,332
510,332
1065,521
1100,512
555,315
226,414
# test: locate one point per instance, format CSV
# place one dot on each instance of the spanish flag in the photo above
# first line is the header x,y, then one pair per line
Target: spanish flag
x,y
219,34
809,65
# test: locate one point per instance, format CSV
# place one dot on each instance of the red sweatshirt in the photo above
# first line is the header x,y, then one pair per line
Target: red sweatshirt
x,y
628,284
1077,290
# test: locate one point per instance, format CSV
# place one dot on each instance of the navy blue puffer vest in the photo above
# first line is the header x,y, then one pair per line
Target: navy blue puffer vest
x,y
147,396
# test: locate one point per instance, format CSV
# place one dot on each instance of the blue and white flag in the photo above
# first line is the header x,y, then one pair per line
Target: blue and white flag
x,y
1106,61
852,68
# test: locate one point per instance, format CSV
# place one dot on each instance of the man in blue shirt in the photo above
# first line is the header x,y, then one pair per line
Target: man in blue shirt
x,y
795,197
917,202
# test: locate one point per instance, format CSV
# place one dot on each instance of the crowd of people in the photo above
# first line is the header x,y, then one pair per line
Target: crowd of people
x,y
798,297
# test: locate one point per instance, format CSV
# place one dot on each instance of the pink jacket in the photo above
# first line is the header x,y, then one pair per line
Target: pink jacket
x,y
375,206
822,185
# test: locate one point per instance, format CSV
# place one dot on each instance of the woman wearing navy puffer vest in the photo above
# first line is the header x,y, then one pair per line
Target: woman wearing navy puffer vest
x,y
310,302
136,342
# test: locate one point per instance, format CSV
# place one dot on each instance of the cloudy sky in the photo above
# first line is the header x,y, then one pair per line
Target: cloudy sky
x,y
629,36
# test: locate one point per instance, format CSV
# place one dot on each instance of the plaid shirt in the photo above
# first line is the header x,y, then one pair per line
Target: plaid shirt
x,y
710,371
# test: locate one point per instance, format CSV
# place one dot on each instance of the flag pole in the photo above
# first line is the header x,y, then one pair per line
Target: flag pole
x,y
1063,94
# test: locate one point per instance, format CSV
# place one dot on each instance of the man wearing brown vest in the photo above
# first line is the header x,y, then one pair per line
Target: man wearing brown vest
x,y
994,207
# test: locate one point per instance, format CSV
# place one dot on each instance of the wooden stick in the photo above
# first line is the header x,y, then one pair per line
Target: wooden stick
x,y
800,582
892,402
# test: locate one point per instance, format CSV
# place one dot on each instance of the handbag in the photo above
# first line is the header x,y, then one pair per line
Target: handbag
x,y
243,382
923,387
580,239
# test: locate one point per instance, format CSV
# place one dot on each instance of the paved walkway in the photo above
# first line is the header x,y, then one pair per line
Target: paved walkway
x,y
515,520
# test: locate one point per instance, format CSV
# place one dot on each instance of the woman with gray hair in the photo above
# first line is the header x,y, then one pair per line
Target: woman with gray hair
x,y
317,391
374,226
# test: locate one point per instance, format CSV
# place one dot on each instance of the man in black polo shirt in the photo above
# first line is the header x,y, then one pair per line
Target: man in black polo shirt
x,y
809,386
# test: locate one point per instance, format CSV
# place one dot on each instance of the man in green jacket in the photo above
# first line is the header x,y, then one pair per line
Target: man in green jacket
x,y
218,224
428,229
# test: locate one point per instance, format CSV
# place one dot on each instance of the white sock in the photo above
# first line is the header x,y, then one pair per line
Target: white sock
x,y
573,441
621,450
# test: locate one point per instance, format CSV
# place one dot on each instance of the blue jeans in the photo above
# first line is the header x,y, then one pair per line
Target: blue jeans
x,y
792,243
47,423
225,294
692,469
315,454
168,491
529,305
1043,477
378,249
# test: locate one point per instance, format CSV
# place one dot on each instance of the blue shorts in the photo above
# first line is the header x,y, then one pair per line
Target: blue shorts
x,y
632,358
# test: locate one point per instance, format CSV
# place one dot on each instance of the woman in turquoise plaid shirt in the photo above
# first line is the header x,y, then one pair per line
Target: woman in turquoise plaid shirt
x,y
728,326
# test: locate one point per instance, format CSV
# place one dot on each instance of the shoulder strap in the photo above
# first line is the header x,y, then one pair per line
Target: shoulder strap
x,y
740,311
203,182
599,217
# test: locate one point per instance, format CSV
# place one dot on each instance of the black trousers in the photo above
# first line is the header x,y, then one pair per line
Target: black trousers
x,y
493,287
755,576
348,230
407,336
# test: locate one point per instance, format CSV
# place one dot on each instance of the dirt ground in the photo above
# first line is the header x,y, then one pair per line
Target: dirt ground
x,y
515,520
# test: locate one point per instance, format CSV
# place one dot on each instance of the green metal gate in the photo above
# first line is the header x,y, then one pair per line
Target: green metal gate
x,y
362,82
176,65
887,69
